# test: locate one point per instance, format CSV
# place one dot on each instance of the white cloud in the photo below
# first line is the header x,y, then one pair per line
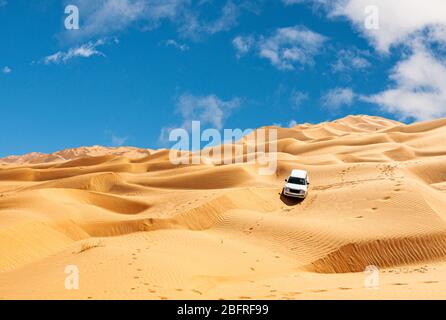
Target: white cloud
x,y
291,2
207,109
226,21
292,124
419,90
286,49
291,46
338,97
348,60
103,17
175,44
192,25
243,44
164,134
398,20
6,70
118,141
298,98
85,51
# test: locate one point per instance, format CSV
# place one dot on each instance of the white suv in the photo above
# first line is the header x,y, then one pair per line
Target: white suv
x,y
297,184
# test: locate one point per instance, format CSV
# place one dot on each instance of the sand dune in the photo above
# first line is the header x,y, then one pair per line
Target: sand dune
x,y
139,227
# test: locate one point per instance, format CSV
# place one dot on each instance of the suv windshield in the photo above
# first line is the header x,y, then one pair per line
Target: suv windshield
x,y
295,180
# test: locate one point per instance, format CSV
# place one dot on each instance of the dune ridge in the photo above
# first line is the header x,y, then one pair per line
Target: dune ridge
x,y
140,227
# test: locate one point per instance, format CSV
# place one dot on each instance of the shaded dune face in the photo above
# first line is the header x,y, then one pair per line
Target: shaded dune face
x,y
378,197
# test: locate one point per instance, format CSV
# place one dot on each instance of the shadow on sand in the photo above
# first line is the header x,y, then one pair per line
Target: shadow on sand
x,y
290,201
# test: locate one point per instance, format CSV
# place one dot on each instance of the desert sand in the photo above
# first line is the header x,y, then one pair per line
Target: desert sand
x,y
138,227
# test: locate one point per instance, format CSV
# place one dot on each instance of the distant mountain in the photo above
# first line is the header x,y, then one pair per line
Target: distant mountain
x,y
76,153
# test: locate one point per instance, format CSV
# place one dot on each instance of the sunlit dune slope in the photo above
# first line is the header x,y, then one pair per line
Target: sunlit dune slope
x,y
138,226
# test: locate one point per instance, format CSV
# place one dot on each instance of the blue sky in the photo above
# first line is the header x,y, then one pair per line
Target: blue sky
x,y
137,68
